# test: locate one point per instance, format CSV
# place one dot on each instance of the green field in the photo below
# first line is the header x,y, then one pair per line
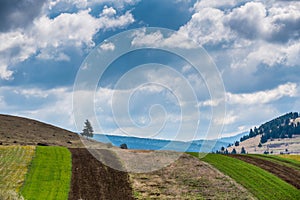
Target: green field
x,y
49,176
14,162
259,182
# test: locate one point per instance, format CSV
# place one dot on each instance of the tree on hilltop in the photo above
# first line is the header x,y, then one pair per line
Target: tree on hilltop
x,y
87,130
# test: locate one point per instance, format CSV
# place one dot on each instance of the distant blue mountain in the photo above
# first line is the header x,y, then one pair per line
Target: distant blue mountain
x,y
232,139
158,144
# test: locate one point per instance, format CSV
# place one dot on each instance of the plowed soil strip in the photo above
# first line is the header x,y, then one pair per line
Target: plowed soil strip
x,y
290,175
93,180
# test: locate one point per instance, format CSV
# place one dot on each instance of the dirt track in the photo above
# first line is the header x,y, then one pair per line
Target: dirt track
x,y
290,175
93,180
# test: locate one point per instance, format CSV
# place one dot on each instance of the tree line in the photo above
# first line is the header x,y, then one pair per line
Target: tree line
x,y
281,127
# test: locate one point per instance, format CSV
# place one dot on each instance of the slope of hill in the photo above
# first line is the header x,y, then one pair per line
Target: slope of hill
x,y
19,130
285,126
278,136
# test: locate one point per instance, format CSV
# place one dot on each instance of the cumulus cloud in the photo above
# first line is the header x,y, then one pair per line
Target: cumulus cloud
x,y
65,30
243,35
207,27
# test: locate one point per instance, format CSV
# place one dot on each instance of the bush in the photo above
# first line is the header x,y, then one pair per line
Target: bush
x,y
259,145
123,146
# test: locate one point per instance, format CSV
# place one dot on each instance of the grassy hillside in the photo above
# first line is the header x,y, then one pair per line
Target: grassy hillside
x,y
259,182
14,162
49,176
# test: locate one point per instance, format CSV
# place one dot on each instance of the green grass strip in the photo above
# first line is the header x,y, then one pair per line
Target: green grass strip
x,y
49,176
259,182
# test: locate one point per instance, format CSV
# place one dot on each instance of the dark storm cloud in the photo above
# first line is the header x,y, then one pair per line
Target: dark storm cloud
x,y
18,13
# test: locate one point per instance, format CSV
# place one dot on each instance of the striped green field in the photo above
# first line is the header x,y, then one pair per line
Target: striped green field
x,y
259,182
14,162
49,176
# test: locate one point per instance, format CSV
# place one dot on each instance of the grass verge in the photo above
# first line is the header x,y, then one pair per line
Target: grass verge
x,y
49,176
259,182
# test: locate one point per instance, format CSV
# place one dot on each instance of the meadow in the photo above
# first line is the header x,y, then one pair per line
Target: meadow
x,y
49,176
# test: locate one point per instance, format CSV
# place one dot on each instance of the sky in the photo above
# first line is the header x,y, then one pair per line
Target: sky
x,y
254,47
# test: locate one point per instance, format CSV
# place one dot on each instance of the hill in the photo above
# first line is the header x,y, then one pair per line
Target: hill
x,y
285,126
279,136
23,131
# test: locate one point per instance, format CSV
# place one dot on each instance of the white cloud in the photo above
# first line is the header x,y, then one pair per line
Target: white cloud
x,y
50,105
109,22
83,4
186,68
256,98
263,97
30,93
230,118
207,27
108,11
157,39
199,5
269,35
50,37
5,74
270,54
108,46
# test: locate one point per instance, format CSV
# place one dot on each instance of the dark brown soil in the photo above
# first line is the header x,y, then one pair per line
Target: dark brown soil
x,y
290,175
91,180
23,131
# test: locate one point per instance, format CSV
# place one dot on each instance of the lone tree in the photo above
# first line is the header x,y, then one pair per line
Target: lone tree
x,y
87,130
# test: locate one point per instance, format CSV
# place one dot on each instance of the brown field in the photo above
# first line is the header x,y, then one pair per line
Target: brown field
x,y
17,130
92,180
187,178
288,174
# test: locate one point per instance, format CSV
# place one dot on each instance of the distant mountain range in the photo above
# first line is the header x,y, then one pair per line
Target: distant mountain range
x,y
160,144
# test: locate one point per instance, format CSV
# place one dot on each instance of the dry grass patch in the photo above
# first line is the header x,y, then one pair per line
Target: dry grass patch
x,y
14,162
187,178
